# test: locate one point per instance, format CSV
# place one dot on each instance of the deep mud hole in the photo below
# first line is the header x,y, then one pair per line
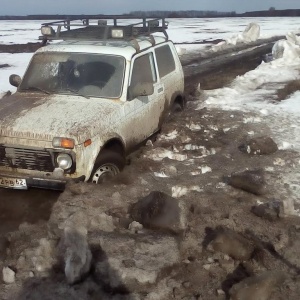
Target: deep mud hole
x,y
209,203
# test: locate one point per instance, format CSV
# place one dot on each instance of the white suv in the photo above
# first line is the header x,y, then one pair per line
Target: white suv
x,y
86,102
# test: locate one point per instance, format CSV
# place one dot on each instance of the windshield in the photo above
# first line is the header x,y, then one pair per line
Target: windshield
x,y
88,75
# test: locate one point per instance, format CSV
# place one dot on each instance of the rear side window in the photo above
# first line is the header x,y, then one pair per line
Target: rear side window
x,y
165,60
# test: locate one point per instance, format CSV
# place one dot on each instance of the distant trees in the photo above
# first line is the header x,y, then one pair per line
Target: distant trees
x,y
271,12
182,14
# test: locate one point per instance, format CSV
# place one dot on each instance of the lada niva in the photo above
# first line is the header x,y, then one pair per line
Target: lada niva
x,y
86,101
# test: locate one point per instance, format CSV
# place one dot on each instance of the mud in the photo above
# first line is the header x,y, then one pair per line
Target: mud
x,y
145,263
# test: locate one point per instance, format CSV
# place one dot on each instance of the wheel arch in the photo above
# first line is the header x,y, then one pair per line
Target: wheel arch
x,y
178,97
114,144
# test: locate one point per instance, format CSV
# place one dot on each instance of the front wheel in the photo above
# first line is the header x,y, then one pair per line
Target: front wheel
x,y
107,165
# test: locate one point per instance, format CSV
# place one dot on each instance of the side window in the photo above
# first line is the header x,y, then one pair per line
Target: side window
x,y
165,60
143,70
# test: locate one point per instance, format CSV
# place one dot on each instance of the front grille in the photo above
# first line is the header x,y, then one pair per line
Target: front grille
x,y
29,159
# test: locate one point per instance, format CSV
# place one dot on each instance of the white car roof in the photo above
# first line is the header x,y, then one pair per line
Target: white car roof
x,y
123,48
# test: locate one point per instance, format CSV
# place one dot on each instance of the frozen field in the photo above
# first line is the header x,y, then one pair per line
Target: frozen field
x,y
181,31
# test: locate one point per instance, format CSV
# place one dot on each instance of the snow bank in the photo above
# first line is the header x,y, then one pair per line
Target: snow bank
x,y
293,38
250,34
256,91
288,49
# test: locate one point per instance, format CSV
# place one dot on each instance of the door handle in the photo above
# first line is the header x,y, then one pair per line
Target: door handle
x,y
161,89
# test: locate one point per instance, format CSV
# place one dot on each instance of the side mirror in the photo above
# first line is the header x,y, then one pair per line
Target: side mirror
x,y
141,89
15,80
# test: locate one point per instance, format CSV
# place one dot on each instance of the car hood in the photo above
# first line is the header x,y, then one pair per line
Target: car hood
x,y
42,117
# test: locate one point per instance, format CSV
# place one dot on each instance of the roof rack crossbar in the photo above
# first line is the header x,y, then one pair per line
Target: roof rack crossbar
x,y
68,29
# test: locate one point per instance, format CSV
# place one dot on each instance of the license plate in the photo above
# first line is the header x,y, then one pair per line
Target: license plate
x,y
13,183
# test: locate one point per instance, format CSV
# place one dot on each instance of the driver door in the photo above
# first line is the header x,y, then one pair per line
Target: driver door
x,y
143,111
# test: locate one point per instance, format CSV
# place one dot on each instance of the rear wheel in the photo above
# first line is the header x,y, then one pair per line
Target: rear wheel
x,y
107,165
176,107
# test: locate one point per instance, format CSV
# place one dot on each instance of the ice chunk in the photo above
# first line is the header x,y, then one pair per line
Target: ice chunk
x,y
285,49
251,33
293,38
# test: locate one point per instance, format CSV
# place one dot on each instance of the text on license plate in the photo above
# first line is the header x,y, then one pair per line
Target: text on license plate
x,y
14,183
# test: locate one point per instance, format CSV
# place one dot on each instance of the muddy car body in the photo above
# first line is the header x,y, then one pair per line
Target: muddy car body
x,y
82,106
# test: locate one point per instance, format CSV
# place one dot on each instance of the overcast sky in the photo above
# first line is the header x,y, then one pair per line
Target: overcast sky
x,y
25,7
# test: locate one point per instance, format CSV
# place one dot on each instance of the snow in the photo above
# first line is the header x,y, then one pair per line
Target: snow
x,y
17,65
250,34
256,91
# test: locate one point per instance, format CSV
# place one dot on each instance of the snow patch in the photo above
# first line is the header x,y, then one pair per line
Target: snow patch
x,y
193,127
194,173
170,136
160,174
159,154
205,169
179,191
251,120
285,146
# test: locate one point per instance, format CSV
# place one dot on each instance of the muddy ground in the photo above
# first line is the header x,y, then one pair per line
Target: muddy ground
x,y
206,243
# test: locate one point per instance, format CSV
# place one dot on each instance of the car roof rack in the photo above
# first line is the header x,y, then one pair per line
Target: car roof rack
x,y
84,29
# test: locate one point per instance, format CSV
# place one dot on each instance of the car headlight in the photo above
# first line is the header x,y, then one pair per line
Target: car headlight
x,y
64,161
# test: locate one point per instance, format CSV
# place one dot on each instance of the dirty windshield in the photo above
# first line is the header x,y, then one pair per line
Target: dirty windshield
x,y
88,75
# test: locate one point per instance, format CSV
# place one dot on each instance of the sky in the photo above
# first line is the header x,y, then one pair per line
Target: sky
x,y
25,7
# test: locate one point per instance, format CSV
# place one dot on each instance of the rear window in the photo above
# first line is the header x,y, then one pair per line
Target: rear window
x,y
165,60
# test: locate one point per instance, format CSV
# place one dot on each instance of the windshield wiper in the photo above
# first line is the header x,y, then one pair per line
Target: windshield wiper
x,y
76,93
35,88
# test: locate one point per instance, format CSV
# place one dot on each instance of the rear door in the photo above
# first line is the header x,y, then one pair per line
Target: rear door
x,y
169,71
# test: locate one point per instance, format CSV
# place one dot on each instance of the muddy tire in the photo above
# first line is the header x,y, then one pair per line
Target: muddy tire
x,y
107,165
176,108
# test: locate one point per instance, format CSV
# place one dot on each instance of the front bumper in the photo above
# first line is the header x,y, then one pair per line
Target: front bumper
x,y
55,181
